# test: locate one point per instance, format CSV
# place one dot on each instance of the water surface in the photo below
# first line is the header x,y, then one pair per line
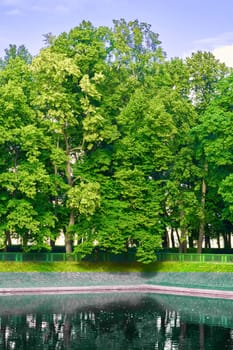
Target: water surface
x,y
115,321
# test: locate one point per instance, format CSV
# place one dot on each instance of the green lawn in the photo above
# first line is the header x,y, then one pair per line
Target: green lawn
x,y
113,267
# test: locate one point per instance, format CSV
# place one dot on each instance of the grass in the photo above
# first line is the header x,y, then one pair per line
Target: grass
x,y
114,267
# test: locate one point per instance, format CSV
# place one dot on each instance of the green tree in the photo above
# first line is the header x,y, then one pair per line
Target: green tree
x,y
12,52
67,102
216,140
96,50
205,71
123,219
25,184
171,84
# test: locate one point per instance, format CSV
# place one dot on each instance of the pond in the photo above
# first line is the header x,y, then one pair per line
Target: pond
x,y
115,321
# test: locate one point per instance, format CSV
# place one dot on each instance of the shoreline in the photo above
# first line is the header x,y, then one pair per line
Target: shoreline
x,y
143,288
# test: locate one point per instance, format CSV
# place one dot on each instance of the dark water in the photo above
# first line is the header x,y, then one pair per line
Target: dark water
x,y
115,321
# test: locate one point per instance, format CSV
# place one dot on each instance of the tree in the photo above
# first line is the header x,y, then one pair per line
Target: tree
x,y
205,71
93,50
216,140
25,184
12,52
67,103
116,225
178,196
49,39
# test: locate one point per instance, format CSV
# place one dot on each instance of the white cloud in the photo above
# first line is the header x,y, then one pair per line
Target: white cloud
x,y
221,46
224,54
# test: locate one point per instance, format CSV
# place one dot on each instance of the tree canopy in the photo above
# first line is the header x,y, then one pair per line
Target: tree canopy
x,y
107,141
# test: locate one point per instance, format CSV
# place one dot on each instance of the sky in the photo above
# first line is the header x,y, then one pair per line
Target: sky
x,y
184,26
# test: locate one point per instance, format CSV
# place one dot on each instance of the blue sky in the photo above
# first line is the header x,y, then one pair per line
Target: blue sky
x,y
184,25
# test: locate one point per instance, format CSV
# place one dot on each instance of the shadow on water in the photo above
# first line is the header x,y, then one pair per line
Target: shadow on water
x,y
209,311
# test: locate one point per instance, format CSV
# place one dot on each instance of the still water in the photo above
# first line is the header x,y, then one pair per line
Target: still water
x,y
115,321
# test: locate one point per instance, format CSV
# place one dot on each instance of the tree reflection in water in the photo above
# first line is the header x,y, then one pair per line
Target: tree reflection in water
x,y
130,321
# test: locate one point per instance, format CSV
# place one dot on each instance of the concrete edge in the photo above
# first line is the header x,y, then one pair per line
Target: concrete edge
x,y
141,288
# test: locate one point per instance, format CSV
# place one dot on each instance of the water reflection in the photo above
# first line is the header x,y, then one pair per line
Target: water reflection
x,y
112,322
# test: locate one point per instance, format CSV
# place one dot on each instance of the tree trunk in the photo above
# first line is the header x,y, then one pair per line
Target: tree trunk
x,y
227,240
191,245
25,241
201,236
172,239
52,244
69,235
207,241
183,241
178,237
202,221
165,243
68,244
8,241
183,236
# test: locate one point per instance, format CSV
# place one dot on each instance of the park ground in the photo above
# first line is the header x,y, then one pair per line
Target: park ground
x,y
114,267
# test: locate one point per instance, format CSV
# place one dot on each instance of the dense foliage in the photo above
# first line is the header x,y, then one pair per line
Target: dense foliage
x,y
105,140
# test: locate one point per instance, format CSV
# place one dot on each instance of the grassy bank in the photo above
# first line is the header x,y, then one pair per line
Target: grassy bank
x,y
113,267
